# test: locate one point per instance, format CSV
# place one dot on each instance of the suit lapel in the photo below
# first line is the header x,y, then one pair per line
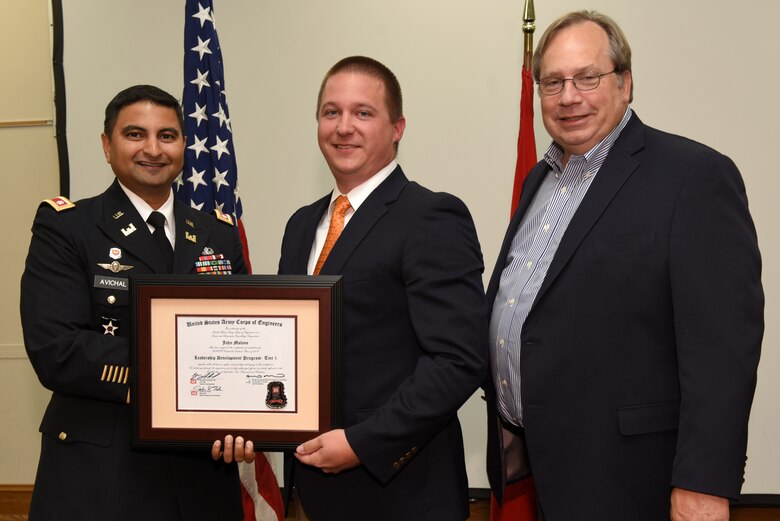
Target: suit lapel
x,y
616,170
372,209
123,225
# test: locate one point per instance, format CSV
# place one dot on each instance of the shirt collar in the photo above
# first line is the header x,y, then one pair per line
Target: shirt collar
x,y
595,156
143,208
360,193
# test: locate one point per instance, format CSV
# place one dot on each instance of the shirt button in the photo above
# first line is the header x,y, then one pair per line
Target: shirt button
x,y
111,299
563,190
511,302
501,342
546,227
529,264
503,382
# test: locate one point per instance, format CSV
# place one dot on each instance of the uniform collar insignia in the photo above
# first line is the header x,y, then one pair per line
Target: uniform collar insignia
x,y
130,229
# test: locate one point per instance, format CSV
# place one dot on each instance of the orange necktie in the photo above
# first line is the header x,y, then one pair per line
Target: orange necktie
x,y
334,230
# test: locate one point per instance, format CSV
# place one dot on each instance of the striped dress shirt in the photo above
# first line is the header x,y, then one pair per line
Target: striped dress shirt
x,y
529,257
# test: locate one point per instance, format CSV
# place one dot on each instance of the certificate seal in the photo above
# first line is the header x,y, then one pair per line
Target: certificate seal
x,y
276,399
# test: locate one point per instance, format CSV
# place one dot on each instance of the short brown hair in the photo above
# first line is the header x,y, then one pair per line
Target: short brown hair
x,y
369,67
619,50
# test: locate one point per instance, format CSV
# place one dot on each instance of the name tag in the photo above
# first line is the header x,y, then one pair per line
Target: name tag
x,y
102,281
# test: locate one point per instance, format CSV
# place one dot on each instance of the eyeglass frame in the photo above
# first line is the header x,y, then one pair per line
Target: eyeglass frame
x,y
574,82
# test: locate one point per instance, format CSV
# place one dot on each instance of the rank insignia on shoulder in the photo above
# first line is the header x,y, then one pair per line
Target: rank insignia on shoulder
x,y
189,223
222,216
60,203
190,236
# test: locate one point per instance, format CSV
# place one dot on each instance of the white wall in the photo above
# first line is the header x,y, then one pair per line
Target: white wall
x,y
701,68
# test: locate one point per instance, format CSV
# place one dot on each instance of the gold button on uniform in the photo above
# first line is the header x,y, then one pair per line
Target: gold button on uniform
x,y
63,436
111,299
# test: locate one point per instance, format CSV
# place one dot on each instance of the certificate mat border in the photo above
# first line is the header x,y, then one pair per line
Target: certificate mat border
x,y
327,290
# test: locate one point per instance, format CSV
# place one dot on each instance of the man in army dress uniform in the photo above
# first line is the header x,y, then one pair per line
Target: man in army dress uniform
x,y
76,320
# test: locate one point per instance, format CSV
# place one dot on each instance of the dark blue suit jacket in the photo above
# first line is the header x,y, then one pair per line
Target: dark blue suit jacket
x,y
639,355
414,351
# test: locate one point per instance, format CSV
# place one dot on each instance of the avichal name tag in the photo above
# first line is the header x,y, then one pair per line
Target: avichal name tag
x,y
102,281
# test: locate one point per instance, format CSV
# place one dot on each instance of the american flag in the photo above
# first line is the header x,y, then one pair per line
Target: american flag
x,y
209,181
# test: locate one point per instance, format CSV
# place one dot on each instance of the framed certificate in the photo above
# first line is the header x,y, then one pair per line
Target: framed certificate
x,y
256,356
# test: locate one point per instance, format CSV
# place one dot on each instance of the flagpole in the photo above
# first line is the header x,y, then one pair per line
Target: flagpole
x,y
529,26
526,144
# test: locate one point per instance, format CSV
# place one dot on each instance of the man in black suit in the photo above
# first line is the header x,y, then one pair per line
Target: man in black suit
x,y
414,315
76,319
627,309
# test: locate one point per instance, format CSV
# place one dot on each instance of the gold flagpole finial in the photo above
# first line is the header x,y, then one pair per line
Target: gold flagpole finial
x,y
529,26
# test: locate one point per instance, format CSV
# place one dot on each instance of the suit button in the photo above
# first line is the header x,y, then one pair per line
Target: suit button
x,y
396,466
111,299
63,436
414,450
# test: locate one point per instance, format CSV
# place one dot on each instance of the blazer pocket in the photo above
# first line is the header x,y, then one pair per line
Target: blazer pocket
x,y
650,418
627,242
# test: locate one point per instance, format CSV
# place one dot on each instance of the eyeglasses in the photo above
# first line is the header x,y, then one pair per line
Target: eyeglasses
x,y
583,81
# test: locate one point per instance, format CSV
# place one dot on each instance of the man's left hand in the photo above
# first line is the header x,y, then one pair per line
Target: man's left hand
x,y
239,451
330,452
688,505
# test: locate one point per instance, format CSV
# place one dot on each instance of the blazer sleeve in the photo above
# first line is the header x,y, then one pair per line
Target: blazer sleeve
x,y
442,268
69,355
715,269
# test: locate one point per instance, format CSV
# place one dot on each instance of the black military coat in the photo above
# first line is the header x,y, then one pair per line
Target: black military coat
x,y
76,321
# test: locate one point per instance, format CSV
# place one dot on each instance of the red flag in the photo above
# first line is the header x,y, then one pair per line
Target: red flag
x,y
526,143
519,502
520,497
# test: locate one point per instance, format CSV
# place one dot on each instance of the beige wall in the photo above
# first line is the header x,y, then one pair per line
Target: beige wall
x,y
30,173
699,70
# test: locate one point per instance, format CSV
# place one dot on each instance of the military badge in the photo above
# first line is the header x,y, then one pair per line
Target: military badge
x,y
214,264
114,266
130,229
190,236
115,253
110,325
276,399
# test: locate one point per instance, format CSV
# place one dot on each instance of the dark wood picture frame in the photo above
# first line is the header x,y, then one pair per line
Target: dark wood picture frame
x,y
149,292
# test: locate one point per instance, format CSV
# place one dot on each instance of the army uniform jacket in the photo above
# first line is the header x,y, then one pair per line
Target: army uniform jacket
x,y
76,320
